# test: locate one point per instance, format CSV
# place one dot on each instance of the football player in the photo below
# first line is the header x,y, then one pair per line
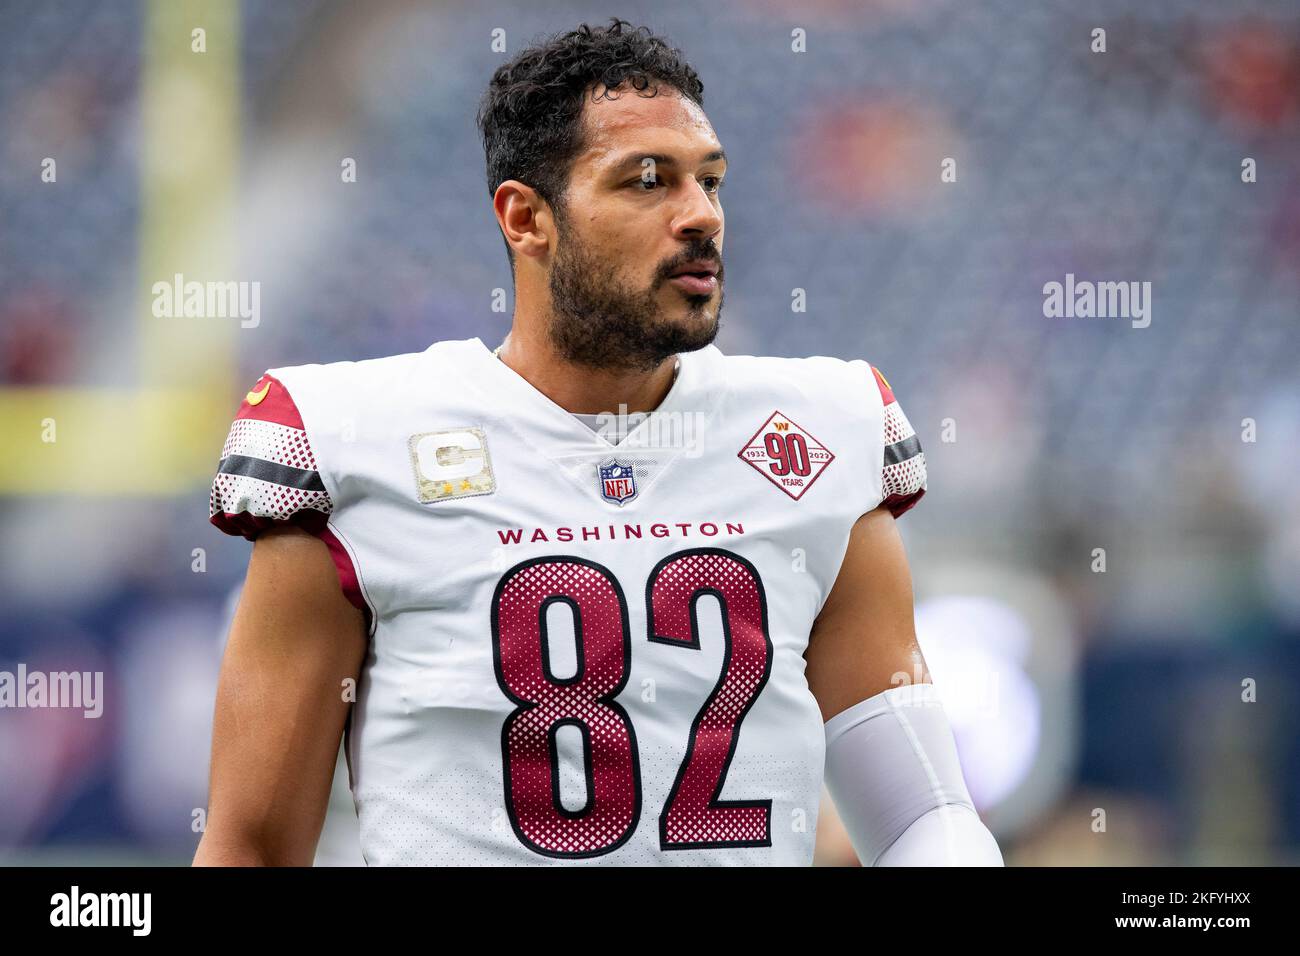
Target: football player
x,y
602,595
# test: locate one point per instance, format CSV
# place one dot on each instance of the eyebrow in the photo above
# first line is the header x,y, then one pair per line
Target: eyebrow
x,y
663,159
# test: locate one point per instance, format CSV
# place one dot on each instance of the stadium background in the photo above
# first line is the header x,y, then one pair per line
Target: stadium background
x,y
1074,693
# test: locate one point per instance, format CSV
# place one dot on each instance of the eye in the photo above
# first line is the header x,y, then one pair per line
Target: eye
x,y
647,185
715,180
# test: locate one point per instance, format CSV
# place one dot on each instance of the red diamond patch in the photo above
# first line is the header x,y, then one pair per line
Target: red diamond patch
x,y
786,455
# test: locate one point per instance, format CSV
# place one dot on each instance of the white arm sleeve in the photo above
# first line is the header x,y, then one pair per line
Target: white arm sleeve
x,y
893,772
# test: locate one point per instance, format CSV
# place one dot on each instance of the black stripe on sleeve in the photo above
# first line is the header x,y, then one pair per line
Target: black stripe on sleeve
x,y
259,468
902,450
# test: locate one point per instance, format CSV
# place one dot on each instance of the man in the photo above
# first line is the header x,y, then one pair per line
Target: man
x,y
643,637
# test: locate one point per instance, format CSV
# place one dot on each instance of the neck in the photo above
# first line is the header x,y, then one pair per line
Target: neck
x,y
579,388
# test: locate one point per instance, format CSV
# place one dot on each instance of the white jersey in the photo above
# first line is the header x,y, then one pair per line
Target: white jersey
x,y
580,651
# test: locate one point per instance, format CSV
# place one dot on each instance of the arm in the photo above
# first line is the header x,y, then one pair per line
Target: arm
x,y
891,762
280,710
865,633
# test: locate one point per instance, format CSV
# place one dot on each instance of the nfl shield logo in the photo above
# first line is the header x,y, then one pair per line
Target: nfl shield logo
x,y
617,482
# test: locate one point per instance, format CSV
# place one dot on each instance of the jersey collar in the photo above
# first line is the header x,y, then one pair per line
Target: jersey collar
x,y
511,401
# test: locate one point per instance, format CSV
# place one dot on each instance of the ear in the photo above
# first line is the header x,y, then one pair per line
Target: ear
x,y
524,217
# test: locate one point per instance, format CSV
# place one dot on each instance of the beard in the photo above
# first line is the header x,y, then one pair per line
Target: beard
x,y
601,322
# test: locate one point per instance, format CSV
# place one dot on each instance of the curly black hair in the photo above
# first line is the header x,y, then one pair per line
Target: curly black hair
x,y
530,115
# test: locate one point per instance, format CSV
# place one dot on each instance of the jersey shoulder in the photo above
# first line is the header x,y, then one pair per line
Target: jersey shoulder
x,y
854,389
268,474
270,471
839,382
903,473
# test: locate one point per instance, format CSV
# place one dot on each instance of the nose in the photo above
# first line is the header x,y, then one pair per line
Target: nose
x,y
698,218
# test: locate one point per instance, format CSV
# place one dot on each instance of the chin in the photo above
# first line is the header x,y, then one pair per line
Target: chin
x,y
697,328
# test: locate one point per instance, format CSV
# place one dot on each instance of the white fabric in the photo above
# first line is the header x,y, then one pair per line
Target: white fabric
x,y
951,835
892,770
448,767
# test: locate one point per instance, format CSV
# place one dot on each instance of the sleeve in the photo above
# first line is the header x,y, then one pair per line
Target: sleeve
x,y
903,477
920,812
268,474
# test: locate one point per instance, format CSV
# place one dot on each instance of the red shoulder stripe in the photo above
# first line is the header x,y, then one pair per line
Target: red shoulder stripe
x,y
886,393
269,401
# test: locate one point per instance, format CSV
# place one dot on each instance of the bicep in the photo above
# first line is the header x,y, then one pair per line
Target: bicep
x,y
280,707
865,634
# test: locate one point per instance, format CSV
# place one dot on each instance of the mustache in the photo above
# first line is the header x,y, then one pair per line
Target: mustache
x,y
704,253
